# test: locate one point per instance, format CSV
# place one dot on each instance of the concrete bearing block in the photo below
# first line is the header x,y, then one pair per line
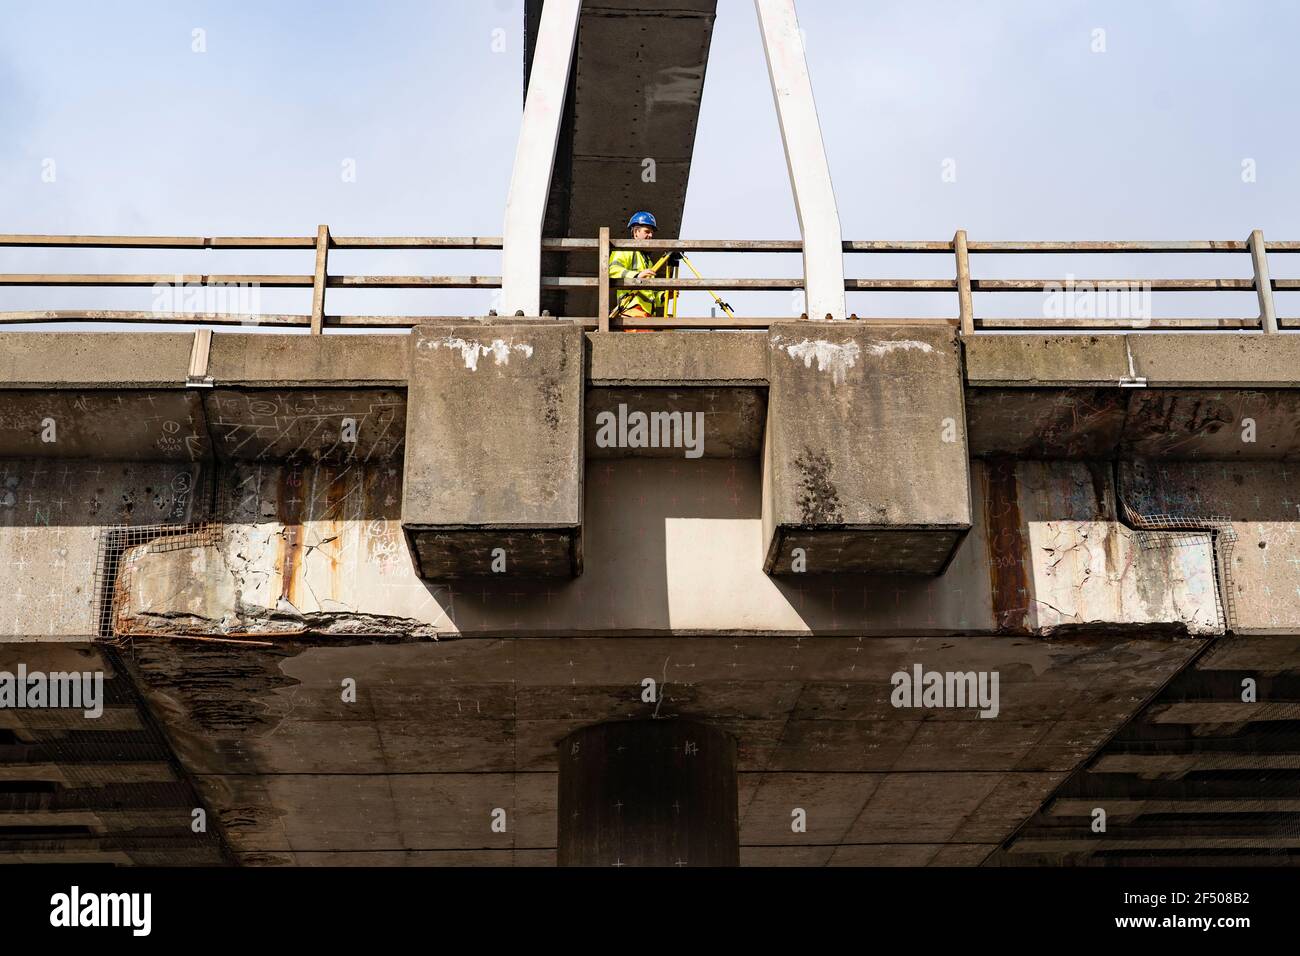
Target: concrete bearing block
x,y
865,462
494,457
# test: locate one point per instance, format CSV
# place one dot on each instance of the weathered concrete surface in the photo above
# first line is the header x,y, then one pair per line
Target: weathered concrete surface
x,y
1165,359
1255,510
1198,777
308,361
105,788
314,549
1060,557
1081,423
54,516
855,415
441,734
331,425
326,424
76,360
494,448
1226,361
1213,423
723,423
1163,423
672,546
1049,359
112,425
734,359
1199,396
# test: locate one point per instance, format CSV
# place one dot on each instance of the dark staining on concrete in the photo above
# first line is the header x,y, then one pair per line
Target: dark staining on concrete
x,y
819,502
462,554
552,395
1161,414
1007,559
1100,474
1045,423
222,689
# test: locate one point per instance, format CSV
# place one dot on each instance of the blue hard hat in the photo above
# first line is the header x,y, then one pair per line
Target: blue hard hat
x,y
642,218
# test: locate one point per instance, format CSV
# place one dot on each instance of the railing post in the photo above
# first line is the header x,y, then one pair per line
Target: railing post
x,y
200,350
1263,284
318,283
965,306
602,280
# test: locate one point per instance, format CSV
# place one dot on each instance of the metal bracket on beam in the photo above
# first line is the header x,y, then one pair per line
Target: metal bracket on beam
x,y
805,157
539,136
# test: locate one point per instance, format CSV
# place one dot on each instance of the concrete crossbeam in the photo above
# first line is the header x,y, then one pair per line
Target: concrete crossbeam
x,y
493,481
865,460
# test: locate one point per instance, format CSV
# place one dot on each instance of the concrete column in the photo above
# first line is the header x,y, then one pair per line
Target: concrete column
x,y
648,793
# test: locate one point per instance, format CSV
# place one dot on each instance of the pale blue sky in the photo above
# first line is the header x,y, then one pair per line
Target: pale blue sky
x,y
1050,139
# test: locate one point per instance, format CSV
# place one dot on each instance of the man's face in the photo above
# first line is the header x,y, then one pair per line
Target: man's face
x,y
642,232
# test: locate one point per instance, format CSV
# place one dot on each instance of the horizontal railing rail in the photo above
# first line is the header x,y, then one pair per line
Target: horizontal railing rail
x,y
320,279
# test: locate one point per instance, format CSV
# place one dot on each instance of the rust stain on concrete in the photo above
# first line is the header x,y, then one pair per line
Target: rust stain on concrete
x,y
292,497
1007,559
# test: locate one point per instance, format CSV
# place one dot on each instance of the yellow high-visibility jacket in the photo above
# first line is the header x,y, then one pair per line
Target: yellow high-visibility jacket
x,y
627,263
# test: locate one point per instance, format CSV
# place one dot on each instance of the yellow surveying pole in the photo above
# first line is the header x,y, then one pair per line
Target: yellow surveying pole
x,y
670,306
725,307
671,300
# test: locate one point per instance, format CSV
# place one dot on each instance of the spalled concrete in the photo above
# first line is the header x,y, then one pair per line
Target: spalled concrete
x,y
1061,558
56,518
494,461
1249,510
855,413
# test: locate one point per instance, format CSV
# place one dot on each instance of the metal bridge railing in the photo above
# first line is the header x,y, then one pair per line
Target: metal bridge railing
x,y
959,247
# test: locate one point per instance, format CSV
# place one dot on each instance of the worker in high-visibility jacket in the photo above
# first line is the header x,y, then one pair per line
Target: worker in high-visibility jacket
x,y
635,264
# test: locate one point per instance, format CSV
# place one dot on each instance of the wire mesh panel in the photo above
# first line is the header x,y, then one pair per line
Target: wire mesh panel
x,y
1158,531
116,540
